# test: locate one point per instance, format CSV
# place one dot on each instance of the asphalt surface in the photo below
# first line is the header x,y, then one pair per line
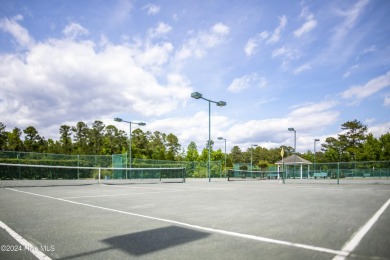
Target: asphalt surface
x,y
196,219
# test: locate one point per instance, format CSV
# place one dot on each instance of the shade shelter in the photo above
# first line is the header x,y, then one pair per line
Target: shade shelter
x,y
290,164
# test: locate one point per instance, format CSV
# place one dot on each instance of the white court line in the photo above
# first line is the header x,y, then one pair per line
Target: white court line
x,y
356,238
120,186
164,189
25,244
122,194
96,196
212,230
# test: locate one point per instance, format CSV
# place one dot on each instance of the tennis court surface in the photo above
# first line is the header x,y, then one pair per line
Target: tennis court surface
x,y
196,220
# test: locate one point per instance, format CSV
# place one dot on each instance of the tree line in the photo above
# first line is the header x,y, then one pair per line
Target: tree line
x,y
353,144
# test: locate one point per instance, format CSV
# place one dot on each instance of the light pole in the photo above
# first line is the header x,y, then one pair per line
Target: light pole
x,y
315,141
295,147
252,158
129,122
338,167
221,138
295,138
197,95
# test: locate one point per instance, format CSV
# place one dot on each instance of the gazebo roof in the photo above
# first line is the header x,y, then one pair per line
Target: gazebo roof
x,y
294,159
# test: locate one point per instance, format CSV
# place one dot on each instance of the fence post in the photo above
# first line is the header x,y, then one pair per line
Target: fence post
x,y
338,173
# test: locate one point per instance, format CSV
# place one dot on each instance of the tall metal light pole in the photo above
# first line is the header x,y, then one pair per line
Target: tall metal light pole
x,y
129,122
252,158
315,141
221,138
197,95
295,147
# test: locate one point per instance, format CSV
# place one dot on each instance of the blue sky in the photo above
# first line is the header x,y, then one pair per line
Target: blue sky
x,y
311,65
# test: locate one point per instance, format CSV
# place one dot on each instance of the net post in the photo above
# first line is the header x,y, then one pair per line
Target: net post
x,y
99,180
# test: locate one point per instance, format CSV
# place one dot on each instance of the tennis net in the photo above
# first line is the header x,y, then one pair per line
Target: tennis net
x,y
245,175
12,175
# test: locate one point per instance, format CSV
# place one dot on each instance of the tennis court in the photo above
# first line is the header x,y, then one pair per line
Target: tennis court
x,y
197,219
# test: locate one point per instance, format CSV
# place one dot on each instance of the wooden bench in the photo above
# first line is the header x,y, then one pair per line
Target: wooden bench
x,y
320,175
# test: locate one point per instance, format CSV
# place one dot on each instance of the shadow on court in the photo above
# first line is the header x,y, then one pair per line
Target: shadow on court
x,y
149,241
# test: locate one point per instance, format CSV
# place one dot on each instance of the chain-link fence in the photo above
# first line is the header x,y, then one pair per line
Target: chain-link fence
x,y
196,169
373,169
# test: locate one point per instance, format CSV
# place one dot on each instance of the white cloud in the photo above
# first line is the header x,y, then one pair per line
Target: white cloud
x,y
367,50
345,37
250,47
155,55
265,36
152,9
197,46
20,34
372,48
61,80
193,128
247,81
312,108
275,36
280,52
221,29
302,68
369,121
309,25
308,119
160,30
74,30
379,129
305,28
350,19
371,87
386,102
287,55
350,71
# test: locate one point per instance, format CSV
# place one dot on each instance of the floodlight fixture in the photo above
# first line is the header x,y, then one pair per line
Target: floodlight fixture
x,y
141,124
117,119
196,95
221,103
291,129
